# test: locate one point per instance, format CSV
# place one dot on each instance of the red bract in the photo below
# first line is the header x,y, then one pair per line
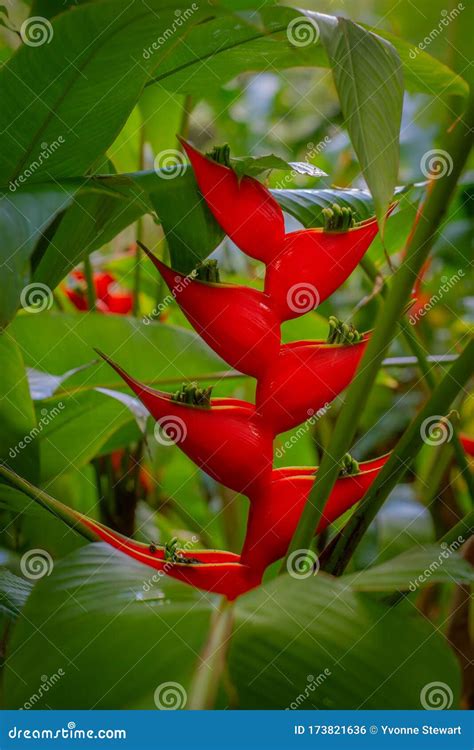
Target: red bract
x,y
274,514
232,440
306,376
211,437
109,298
312,264
246,211
235,321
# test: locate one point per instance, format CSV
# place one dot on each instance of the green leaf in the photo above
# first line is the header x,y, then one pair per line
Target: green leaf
x,y
414,569
14,592
86,86
307,205
423,73
24,218
368,75
170,351
18,443
190,229
116,632
286,634
256,165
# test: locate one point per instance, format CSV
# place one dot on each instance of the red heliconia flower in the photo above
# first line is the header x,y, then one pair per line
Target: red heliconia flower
x,y
228,440
245,210
274,515
235,321
468,444
109,297
306,376
312,264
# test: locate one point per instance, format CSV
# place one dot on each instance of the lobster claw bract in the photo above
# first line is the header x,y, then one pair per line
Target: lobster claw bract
x,y
312,265
228,440
244,208
274,514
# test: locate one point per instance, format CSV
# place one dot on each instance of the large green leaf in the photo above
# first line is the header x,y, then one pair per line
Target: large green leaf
x,y
24,218
412,570
367,72
289,632
18,428
151,353
85,85
222,48
116,634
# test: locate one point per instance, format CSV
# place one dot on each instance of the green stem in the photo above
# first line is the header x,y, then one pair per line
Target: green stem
x,y
89,274
457,144
345,543
205,682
